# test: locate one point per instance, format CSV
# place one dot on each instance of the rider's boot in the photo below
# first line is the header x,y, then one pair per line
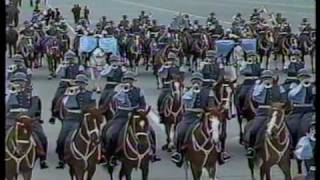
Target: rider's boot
x,y
250,150
112,161
60,165
154,156
43,163
223,157
177,157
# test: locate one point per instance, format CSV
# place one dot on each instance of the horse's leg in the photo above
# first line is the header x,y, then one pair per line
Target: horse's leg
x,y
285,167
91,171
212,172
251,167
110,171
145,171
167,129
125,171
196,172
27,175
263,171
71,173
299,166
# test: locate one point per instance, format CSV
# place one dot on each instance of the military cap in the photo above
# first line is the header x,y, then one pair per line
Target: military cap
x,y
211,53
114,58
128,75
19,76
82,78
197,76
69,55
266,74
303,73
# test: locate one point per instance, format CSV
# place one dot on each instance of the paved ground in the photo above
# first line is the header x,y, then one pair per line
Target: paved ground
x,y
163,10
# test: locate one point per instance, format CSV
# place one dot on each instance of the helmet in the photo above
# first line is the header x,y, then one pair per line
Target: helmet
x,y
212,14
114,58
128,75
278,14
238,14
228,30
124,16
172,56
69,55
303,73
267,74
197,76
19,76
82,78
305,20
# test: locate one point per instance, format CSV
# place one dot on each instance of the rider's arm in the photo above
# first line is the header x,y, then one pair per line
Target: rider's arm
x,y
257,94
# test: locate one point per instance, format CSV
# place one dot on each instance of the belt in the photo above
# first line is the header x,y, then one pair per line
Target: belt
x,y
292,78
167,82
112,82
302,105
19,110
78,111
194,110
126,108
264,106
250,77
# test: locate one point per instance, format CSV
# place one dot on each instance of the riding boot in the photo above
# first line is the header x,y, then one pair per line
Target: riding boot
x,y
43,163
250,150
154,157
60,165
177,157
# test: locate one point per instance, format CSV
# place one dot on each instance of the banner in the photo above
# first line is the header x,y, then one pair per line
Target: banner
x,y
224,47
249,45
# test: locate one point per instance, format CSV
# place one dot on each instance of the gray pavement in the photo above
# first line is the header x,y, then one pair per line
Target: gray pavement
x,y
236,168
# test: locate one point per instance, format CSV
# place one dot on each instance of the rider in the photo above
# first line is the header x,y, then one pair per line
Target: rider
x,y
52,31
196,101
294,66
285,26
76,100
19,66
237,18
279,18
265,91
167,73
211,69
21,99
304,25
68,71
124,22
251,71
28,29
128,98
113,74
212,19
62,26
302,96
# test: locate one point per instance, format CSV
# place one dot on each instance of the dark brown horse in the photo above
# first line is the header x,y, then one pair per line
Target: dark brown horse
x,y
83,151
172,111
275,145
204,145
265,45
20,149
307,46
134,152
134,53
27,49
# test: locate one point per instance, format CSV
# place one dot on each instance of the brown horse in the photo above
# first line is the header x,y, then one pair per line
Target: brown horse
x,y
265,45
203,147
20,149
284,43
134,152
27,49
275,145
83,151
307,46
173,109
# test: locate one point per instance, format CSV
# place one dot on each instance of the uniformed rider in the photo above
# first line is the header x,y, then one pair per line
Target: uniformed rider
x,y
211,69
196,101
76,99
265,91
292,70
302,97
67,70
127,98
21,99
19,66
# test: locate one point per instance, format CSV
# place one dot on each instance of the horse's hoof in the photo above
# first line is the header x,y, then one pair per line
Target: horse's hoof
x,y
165,147
49,77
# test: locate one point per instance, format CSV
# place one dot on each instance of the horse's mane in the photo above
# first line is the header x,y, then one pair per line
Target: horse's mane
x,y
26,121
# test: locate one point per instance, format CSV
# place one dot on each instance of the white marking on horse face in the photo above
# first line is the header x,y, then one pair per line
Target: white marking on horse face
x,y
142,124
214,128
272,122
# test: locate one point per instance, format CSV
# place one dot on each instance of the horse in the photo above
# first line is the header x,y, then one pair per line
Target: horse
x,y
12,37
20,149
159,59
186,43
54,55
123,45
284,44
202,148
134,52
307,46
172,111
199,47
26,48
83,150
275,145
265,45
134,152
64,42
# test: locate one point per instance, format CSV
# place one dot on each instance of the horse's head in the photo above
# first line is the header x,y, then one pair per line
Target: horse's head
x,y
277,121
211,121
139,125
23,133
98,58
177,88
269,36
293,40
93,123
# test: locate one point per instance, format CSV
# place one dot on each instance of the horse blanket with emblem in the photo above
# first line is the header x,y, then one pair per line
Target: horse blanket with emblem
x,y
87,44
109,45
224,47
249,45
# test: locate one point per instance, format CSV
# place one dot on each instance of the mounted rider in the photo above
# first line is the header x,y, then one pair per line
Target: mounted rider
x,y
265,91
113,74
196,101
27,30
302,96
285,26
22,99
167,73
305,26
67,71
251,70
76,99
212,19
124,22
211,69
128,98
19,66
293,68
